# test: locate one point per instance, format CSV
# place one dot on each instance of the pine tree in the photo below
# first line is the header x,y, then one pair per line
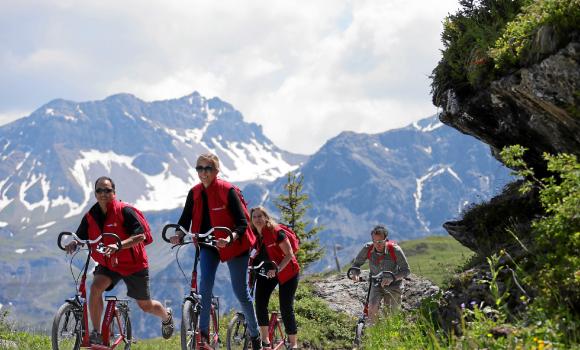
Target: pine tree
x,y
292,206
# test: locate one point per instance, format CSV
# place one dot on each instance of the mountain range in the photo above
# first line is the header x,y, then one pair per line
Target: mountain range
x,y
410,179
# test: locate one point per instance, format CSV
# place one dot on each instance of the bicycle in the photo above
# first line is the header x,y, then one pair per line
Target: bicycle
x,y
191,308
238,336
375,280
70,327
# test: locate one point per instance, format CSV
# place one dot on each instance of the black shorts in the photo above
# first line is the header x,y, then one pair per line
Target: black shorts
x,y
137,283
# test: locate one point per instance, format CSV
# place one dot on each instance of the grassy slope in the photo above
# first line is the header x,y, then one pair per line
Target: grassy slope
x,y
435,258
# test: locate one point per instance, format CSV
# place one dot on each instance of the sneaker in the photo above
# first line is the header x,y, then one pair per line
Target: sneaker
x,y
167,326
95,337
256,342
266,346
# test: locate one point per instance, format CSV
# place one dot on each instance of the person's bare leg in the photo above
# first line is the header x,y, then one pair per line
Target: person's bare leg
x,y
293,339
264,334
154,307
96,305
373,310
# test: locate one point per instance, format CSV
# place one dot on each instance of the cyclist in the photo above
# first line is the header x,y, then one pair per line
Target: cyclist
x,y
383,255
274,245
215,202
130,264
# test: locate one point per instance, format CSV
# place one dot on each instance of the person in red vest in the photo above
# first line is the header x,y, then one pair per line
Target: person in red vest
x,y
130,264
215,202
274,245
383,255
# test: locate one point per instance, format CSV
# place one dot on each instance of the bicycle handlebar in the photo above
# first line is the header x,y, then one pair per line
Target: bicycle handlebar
x,y
196,236
263,267
88,241
377,279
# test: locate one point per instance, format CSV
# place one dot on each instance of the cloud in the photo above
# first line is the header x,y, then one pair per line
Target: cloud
x,y
306,71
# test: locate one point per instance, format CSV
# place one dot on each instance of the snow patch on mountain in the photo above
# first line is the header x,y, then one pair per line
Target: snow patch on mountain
x,y
252,161
429,127
44,186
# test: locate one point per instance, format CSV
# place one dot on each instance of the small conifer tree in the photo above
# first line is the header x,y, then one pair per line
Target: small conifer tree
x,y
292,206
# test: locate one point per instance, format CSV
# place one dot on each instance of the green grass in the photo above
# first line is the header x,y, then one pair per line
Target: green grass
x,y
436,258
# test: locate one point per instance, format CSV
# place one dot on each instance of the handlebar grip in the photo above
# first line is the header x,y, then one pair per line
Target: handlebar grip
x,y
59,239
167,227
117,239
226,230
350,272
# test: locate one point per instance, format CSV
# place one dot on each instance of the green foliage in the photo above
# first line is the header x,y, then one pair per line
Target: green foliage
x,y
467,37
13,339
488,38
396,332
556,255
514,46
319,326
292,210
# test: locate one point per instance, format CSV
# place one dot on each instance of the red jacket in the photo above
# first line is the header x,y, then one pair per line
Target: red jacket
x,y
126,261
217,197
270,241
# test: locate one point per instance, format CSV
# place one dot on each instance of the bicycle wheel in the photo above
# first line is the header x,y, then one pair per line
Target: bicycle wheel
x,y
359,332
237,335
66,329
278,335
189,323
121,328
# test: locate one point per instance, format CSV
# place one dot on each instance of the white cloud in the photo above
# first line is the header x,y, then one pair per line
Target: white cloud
x,y
306,71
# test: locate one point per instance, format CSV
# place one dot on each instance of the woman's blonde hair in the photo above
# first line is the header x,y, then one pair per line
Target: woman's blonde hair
x,y
211,158
270,223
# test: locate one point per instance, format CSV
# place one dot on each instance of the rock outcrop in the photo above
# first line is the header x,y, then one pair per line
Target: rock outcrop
x,y
344,295
536,107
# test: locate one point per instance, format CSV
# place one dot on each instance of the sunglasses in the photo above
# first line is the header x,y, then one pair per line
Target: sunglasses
x,y
104,190
200,168
380,241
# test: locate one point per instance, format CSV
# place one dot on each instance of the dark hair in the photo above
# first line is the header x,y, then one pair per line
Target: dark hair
x,y
103,178
380,229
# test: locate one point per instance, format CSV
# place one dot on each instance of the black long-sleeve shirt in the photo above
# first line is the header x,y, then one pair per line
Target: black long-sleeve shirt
x,y
234,206
130,221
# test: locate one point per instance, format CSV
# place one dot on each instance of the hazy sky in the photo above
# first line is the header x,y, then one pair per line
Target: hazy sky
x,y
304,70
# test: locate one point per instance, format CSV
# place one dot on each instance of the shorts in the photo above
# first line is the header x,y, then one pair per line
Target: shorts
x,y
392,297
137,283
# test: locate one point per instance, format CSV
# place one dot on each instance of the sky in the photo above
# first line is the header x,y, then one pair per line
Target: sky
x,y
304,70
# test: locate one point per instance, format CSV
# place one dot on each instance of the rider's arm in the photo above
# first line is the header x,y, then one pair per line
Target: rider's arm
x,y
284,244
82,232
237,211
359,260
185,219
361,257
83,229
133,228
403,265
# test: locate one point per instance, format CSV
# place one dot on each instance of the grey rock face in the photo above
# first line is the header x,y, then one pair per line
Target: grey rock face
x,y
535,107
344,295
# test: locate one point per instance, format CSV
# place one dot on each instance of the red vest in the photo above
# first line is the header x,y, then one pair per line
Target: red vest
x,y
270,241
219,214
126,261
